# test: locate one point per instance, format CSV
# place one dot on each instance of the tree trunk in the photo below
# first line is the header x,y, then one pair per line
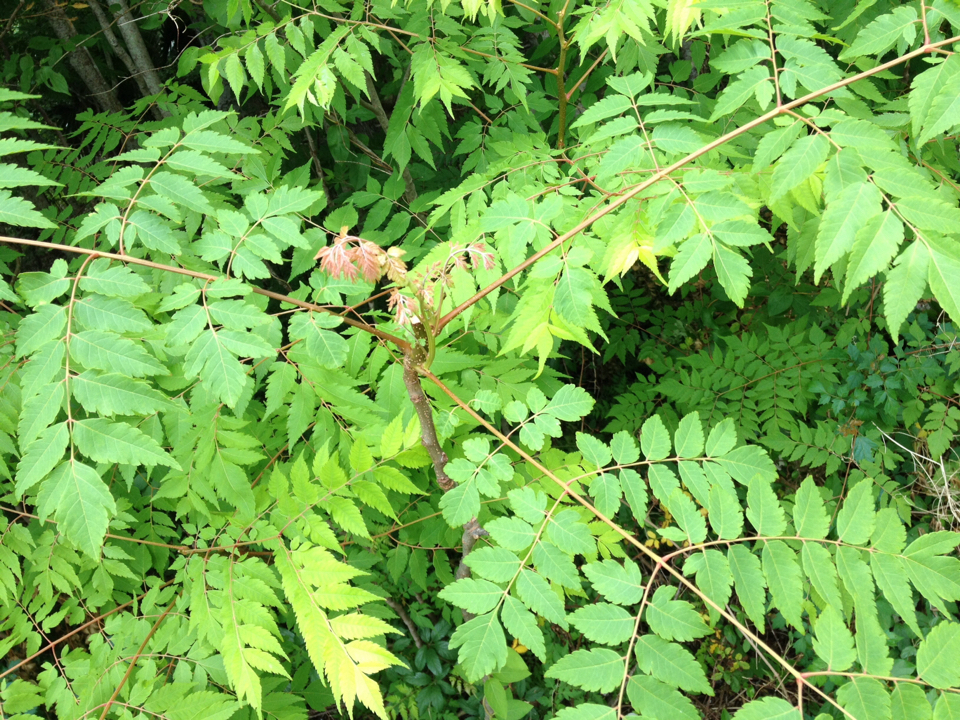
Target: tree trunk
x,y
106,24
138,50
81,60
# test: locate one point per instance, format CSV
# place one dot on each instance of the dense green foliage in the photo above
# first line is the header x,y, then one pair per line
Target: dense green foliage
x,y
559,358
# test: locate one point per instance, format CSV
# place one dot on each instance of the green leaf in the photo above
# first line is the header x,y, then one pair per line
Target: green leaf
x,y
181,191
782,571
937,656
80,502
117,442
570,534
604,623
733,272
213,142
883,33
892,581
723,437
106,351
768,708
674,619
749,582
864,698
570,403
819,567
833,641
763,509
624,448
522,624
842,220
621,584
537,595
596,670
635,492
483,647
511,533
594,451
948,707
741,90
113,394
809,514
460,504
905,285
41,456
587,711
798,163
875,246
931,93
856,519
475,596
656,699
944,268
654,439
747,461
671,664
692,257
908,702
726,517
688,439
20,213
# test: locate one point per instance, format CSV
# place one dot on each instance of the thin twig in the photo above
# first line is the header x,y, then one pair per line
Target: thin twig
x,y
133,660
407,620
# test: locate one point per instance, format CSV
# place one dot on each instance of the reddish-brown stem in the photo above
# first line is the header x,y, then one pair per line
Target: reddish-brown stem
x,y
133,660
657,176
399,342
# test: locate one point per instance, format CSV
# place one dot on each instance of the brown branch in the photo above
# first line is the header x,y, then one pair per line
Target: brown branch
x,y
664,172
399,342
412,363
407,620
